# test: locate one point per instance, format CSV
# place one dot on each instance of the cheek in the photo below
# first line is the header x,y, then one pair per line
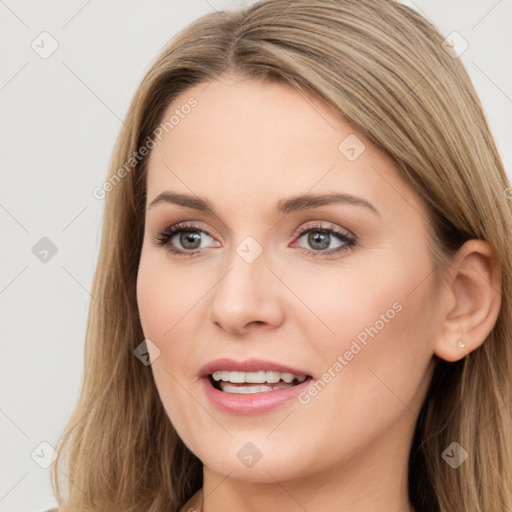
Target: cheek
x,y
373,370
169,301
340,304
164,297
373,329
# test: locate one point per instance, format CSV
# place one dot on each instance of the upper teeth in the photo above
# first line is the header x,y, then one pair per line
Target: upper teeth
x,y
256,377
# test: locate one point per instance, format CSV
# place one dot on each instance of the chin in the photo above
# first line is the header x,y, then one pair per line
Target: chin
x,y
244,461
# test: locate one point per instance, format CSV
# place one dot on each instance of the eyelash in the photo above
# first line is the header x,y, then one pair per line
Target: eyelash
x,y
164,237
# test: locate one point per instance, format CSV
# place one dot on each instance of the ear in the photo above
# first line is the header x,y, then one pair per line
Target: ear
x,y
471,302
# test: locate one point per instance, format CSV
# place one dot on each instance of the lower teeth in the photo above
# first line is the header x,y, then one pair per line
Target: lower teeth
x,y
228,387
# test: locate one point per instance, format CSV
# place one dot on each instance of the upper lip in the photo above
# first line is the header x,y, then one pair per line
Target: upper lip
x,y
249,365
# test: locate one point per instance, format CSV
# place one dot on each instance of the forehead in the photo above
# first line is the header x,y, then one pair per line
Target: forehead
x,y
244,139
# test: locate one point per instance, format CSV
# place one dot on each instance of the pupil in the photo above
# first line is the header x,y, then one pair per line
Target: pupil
x,y
321,238
189,237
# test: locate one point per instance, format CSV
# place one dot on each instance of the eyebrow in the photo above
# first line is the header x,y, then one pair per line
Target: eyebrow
x,y
283,206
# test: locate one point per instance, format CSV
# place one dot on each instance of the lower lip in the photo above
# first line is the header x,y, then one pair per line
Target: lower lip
x,y
251,403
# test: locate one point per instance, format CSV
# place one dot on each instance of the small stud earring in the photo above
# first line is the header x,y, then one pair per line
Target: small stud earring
x,y
461,345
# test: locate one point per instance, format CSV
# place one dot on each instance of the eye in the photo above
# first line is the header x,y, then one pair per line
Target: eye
x,y
320,237
186,235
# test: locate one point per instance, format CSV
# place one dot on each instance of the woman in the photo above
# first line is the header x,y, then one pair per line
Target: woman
x,y
301,299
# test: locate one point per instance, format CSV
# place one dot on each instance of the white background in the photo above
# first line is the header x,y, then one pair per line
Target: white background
x,y
59,120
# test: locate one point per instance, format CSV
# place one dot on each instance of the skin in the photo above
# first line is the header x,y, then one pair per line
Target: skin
x,y
246,145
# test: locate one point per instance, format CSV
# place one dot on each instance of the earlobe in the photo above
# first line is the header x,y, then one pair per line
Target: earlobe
x,y
474,298
452,350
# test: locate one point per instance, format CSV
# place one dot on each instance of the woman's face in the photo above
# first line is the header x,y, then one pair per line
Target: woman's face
x,y
351,309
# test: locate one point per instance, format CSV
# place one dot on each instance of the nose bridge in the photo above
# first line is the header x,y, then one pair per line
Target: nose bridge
x,y
248,291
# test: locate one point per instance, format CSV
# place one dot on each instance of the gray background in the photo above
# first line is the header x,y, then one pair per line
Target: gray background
x,y
59,119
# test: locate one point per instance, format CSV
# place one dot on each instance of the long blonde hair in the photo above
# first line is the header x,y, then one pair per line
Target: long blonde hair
x,y
383,68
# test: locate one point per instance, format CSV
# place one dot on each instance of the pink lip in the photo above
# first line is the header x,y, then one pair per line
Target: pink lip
x,y
253,403
250,365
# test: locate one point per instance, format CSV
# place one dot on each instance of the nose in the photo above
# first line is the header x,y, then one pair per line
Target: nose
x,y
247,296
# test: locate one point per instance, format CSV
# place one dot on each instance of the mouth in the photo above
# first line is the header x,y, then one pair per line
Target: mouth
x,y
237,382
